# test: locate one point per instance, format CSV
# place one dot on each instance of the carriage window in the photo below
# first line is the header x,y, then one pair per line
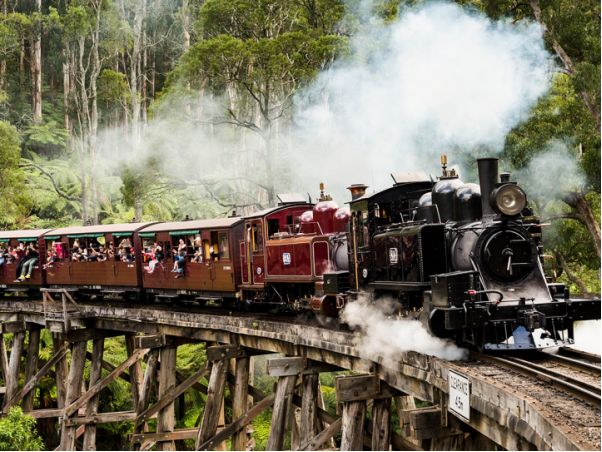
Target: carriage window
x,y
223,245
257,238
273,227
215,250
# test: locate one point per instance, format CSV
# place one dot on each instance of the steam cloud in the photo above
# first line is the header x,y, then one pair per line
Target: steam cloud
x,y
385,336
562,173
440,79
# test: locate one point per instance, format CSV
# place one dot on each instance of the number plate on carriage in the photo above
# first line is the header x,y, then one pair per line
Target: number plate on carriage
x,y
459,394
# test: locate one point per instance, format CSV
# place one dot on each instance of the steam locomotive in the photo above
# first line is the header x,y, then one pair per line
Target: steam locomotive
x,y
464,259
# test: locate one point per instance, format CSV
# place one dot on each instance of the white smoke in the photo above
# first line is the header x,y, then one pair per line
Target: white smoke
x,y
386,336
552,174
440,79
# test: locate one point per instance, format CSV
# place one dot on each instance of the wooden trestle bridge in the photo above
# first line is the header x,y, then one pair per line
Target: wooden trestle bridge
x,y
500,416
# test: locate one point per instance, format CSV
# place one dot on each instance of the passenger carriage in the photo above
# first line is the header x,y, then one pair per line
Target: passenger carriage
x,y
8,269
98,259
208,271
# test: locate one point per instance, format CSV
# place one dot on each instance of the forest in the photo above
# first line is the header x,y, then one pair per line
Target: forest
x,y
113,110
121,110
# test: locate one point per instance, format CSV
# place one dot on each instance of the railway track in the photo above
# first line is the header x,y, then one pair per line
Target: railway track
x,y
572,371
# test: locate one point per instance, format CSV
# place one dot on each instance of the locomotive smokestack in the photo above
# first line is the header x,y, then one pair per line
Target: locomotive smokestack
x,y
357,190
488,177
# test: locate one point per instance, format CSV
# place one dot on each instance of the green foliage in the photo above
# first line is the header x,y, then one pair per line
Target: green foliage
x,y
15,200
46,139
18,432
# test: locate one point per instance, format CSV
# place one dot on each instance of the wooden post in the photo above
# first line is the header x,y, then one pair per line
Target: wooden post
x,y
240,400
215,398
31,364
167,381
381,424
74,387
287,370
92,407
3,357
352,437
12,376
309,407
135,370
62,370
147,387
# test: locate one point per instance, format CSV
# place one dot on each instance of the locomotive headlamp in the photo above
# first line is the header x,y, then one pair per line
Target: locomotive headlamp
x,y
509,199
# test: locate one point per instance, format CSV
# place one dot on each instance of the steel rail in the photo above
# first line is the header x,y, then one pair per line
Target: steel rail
x,y
580,389
572,362
579,354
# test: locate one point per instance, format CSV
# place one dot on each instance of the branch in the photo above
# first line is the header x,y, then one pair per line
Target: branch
x,y
570,275
58,190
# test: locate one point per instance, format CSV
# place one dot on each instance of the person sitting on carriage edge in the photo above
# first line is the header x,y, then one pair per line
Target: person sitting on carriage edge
x,y
180,264
30,260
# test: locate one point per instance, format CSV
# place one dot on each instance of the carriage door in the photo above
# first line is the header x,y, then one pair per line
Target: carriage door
x,y
256,245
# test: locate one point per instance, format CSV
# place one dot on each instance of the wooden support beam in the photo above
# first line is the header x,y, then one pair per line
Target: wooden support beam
x,y
215,398
282,406
135,369
240,400
223,352
98,346
381,424
148,381
171,395
101,418
309,408
33,381
3,358
176,435
317,441
12,376
45,413
167,381
150,341
74,387
31,364
357,387
61,369
78,403
281,367
89,334
352,437
238,425
17,326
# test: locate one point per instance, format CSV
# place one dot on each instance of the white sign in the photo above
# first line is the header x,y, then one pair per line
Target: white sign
x,y
459,394
393,258
286,258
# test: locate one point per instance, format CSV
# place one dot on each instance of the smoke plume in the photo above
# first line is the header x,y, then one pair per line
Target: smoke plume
x,y
440,79
386,336
552,174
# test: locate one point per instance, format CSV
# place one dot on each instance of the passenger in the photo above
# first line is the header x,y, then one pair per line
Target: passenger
x,y
51,258
198,256
92,255
156,258
3,255
20,257
180,264
31,259
181,246
102,254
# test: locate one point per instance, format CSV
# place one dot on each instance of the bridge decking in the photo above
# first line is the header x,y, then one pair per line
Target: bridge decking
x,y
501,410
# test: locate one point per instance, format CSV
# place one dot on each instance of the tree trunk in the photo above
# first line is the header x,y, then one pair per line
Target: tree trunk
x,y
584,212
591,104
36,69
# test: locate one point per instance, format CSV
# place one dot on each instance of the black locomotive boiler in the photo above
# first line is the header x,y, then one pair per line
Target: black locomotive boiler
x,y
464,258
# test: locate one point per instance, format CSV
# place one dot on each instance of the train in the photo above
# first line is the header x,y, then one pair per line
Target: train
x,y
465,259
